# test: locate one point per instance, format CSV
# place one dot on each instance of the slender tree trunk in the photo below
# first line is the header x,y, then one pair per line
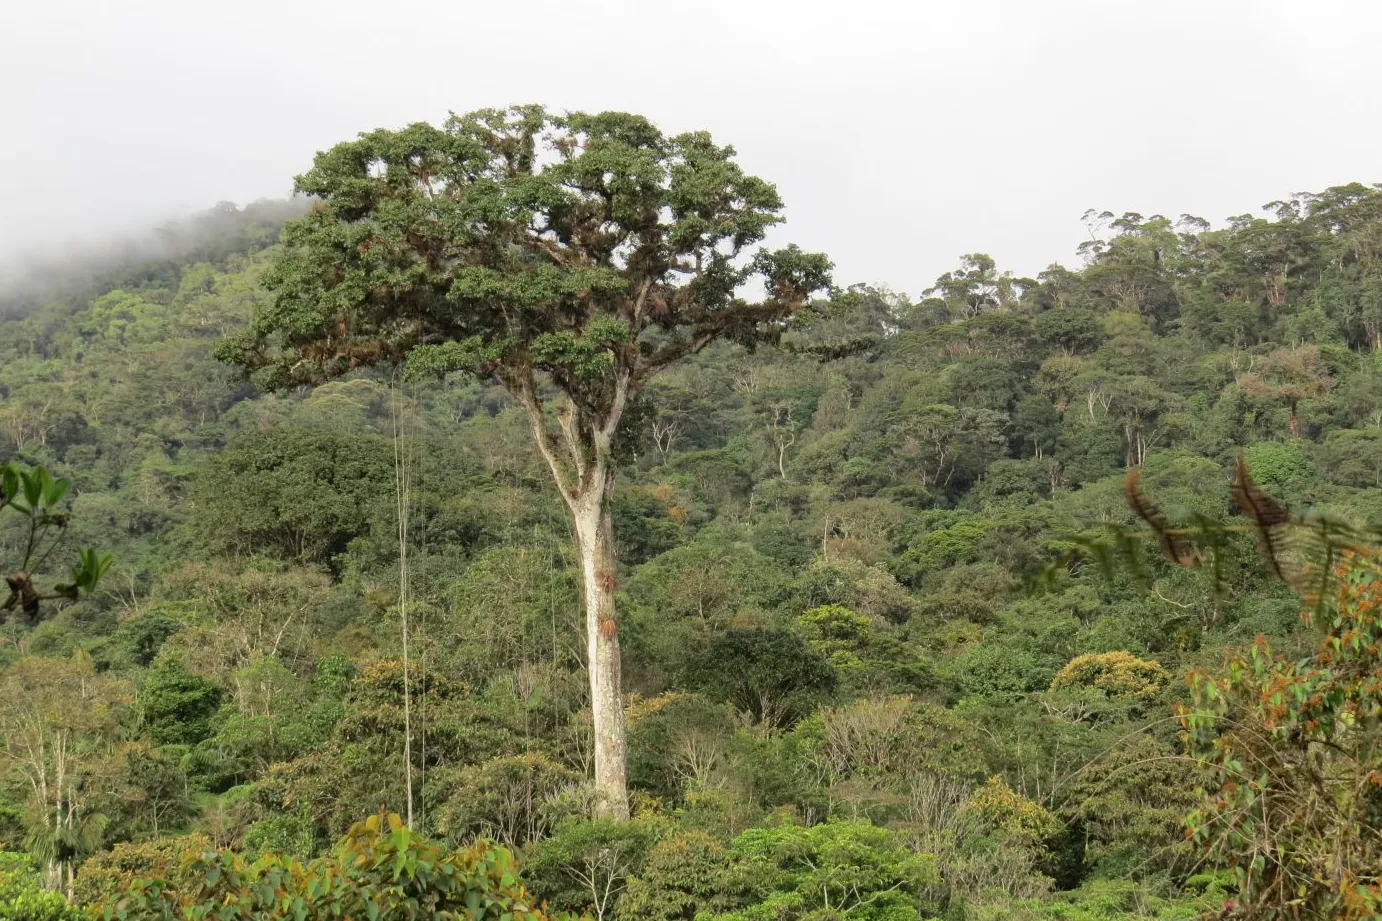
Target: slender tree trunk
x,y
595,538
582,464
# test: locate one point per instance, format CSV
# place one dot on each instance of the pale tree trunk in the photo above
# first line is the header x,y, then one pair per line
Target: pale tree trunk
x,y
581,459
595,537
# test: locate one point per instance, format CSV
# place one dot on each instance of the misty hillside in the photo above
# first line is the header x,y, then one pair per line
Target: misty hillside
x,y
74,273
824,556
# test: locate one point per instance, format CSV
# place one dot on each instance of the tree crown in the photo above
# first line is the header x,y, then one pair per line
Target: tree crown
x,y
589,247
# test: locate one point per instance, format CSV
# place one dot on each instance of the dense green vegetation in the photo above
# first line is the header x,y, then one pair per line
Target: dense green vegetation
x,y
841,700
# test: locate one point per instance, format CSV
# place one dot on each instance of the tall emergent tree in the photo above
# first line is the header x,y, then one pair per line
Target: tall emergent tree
x,y
571,257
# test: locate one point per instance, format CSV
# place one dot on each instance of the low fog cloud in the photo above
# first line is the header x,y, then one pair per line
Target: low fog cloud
x,y
43,267
29,278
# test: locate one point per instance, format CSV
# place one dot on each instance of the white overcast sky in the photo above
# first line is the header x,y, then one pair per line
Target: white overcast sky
x,y
901,134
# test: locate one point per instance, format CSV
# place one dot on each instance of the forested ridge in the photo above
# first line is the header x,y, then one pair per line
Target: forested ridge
x,y
845,697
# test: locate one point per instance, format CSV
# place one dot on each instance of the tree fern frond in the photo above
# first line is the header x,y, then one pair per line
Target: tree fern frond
x,y
1174,544
1268,516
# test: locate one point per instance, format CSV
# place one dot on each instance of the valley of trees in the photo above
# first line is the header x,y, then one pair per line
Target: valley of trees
x,y
466,543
